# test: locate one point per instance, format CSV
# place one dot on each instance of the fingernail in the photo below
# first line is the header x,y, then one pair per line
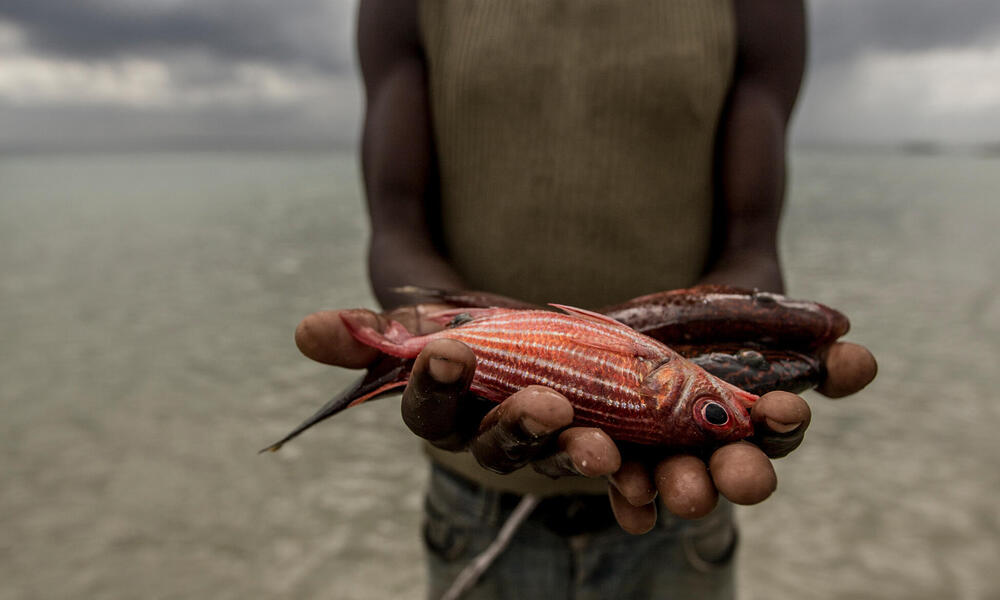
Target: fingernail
x,y
779,427
444,371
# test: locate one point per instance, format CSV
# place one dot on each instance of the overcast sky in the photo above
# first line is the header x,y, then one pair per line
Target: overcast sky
x,y
258,73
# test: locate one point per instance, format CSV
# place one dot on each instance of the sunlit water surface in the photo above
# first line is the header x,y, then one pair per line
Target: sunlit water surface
x,y
147,306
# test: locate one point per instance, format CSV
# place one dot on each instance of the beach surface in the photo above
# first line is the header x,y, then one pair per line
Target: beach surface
x,y
147,306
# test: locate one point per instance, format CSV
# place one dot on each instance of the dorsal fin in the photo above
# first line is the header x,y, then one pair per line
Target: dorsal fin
x,y
587,314
607,344
629,343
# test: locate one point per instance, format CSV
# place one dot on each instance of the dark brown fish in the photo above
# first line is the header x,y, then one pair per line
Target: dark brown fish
x,y
758,370
721,314
463,298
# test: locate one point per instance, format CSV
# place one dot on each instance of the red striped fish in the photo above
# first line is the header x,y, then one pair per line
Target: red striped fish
x,y
633,387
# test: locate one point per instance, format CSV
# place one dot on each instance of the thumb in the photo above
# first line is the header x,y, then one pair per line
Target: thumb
x,y
433,406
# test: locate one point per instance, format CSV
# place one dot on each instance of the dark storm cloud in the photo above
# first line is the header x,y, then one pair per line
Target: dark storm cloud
x,y
306,32
844,30
313,32
304,91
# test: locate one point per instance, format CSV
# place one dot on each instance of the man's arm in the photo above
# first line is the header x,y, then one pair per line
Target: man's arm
x,y
397,152
398,165
750,153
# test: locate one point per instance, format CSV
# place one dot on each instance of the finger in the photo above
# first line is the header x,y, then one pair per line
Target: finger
x,y
685,487
323,337
742,473
780,420
520,427
586,451
633,519
634,482
432,405
849,368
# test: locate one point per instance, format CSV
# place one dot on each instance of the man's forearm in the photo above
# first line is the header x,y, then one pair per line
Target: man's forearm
x,y
751,184
756,272
397,153
399,260
751,144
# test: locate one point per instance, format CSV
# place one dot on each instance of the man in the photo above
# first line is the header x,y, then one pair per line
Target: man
x,y
582,152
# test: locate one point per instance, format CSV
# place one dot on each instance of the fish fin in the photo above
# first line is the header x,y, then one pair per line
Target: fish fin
x,y
603,344
464,298
587,314
396,340
386,375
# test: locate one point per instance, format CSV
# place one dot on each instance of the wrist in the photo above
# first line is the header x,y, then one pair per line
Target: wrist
x,y
748,271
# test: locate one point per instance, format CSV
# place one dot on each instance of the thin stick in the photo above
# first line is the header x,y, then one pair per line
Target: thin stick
x,y
478,565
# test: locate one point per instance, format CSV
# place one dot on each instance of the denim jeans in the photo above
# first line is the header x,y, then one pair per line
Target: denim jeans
x,y
571,548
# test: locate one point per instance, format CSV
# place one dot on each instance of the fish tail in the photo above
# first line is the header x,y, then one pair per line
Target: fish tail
x,y
386,375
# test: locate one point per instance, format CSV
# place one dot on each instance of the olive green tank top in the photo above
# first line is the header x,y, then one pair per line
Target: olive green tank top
x,y
575,145
575,140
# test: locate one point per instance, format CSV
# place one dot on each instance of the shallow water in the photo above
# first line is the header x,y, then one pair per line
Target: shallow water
x,y
147,305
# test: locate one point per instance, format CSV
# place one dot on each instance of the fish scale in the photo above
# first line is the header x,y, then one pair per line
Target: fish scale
x,y
546,356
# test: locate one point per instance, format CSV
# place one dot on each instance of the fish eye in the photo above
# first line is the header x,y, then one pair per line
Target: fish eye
x,y
715,414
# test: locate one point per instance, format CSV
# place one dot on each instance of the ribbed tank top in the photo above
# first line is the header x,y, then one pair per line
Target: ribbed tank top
x,y
575,140
575,146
